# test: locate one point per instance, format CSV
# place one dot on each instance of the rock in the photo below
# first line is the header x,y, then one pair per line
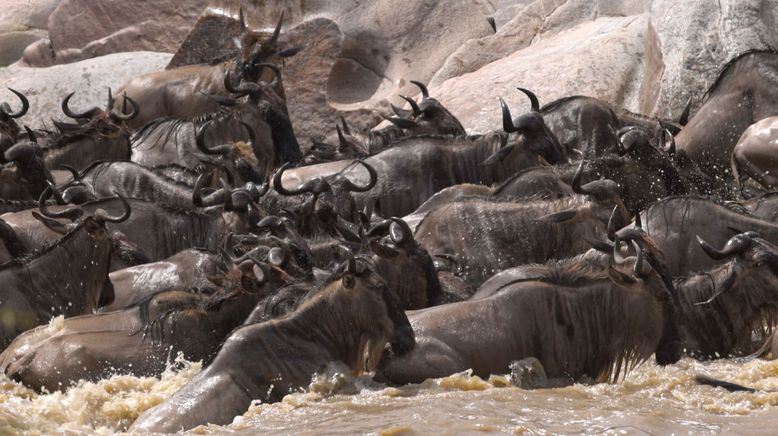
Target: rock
x,y
12,44
120,26
19,15
694,40
600,58
90,79
212,39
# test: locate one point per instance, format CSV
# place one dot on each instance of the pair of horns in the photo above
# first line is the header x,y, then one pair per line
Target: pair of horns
x,y
273,39
319,185
507,119
120,116
75,212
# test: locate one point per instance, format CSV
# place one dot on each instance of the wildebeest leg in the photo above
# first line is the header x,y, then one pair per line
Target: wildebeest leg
x,y
430,358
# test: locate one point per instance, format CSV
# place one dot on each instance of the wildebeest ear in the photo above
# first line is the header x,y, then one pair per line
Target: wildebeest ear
x,y
619,278
289,52
53,225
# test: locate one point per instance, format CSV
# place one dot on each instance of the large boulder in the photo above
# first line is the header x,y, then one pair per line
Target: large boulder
x,y
600,58
90,79
117,26
22,22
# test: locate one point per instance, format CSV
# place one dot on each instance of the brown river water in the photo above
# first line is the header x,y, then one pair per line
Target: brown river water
x,y
650,400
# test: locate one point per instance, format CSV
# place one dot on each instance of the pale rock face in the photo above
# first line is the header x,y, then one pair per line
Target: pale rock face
x,y
600,58
90,79
22,22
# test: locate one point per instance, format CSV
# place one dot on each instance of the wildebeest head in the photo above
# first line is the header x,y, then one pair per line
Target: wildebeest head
x,y
532,131
332,205
107,123
75,214
240,210
363,293
9,130
405,265
237,158
427,117
256,48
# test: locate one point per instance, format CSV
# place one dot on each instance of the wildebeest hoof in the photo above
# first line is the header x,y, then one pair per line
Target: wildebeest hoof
x,y
528,374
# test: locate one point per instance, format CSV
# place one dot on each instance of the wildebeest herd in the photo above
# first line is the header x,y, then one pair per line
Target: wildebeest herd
x,y
185,219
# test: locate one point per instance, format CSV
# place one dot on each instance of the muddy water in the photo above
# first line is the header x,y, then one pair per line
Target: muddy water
x,y
651,400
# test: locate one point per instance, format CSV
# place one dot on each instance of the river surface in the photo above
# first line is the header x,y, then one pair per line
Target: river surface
x,y
650,400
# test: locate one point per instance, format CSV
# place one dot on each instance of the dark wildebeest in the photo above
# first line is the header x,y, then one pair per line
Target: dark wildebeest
x,y
184,92
9,130
353,316
96,135
724,306
745,91
27,177
139,340
582,318
485,235
673,223
591,126
426,117
68,278
756,154
262,119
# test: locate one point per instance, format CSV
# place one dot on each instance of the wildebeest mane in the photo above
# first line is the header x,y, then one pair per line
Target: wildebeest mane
x,y
724,72
560,101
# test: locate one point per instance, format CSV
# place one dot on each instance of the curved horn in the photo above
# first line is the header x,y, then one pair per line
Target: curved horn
x,y
71,213
414,105
252,133
200,141
110,99
31,135
373,179
276,72
341,139
127,117
379,229
228,206
533,99
400,232
507,120
23,110
626,129
346,130
66,109
241,20
211,199
684,118
736,245
274,38
278,184
670,149
576,185
401,122
642,269
423,88
103,216
241,90
73,172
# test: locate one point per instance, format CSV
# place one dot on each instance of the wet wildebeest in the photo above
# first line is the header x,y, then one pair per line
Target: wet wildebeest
x,y
486,235
355,315
591,126
96,135
26,177
9,130
756,154
184,92
185,270
415,168
673,223
262,119
745,91
157,230
581,317
724,306
70,277
321,205
139,340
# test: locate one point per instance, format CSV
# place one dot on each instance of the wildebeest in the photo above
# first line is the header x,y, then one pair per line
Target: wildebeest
x,y
744,92
27,176
9,130
184,92
674,221
754,154
96,135
139,340
355,315
581,317
724,306
426,117
68,278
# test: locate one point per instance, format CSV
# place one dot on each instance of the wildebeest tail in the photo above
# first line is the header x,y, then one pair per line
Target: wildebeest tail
x,y
716,383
